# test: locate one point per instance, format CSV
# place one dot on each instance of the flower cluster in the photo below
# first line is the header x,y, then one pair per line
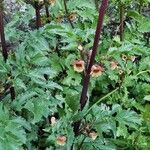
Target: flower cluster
x,y
96,70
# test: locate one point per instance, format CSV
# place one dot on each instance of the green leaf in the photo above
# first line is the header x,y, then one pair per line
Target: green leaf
x,y
72,101
147,98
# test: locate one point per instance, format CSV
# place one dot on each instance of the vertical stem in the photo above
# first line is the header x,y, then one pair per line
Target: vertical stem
x,y
83,98
38,16
67,13
12,93
95,46
121,22
4,47
47,12
2,34
140,6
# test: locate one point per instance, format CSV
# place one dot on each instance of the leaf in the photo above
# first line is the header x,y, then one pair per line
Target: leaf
x,y
70,137
144,26
147,98
129,118
39,108
13,135
72,101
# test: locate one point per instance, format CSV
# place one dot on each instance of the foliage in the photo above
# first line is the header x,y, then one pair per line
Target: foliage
x,y
40,68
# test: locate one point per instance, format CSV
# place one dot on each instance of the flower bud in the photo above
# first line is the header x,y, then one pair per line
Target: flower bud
x,y
80,47
52,2
124,57
113,65
61,140
53,121
93,135
96,71
59,19
78,65
132,58
73,17
120,72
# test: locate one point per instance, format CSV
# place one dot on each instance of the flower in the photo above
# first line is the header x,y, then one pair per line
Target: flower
x,y
96,70
61,140
59,19
73,17
52,2
132,58
93,135
113,65
124,57
78,65
53,120
80,47
120,72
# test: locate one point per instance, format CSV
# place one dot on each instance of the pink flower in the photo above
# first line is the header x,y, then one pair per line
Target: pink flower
x,y
61,140
96,70
78,65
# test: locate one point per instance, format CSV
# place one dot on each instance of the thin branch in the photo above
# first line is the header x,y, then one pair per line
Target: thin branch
x,y
4,47
122,9
104,97
38,16
67,13
2,34
47,12
80,146
142,72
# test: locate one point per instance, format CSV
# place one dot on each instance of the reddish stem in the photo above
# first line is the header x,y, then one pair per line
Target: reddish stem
x,y
2,35
102,10
83,98
38,16
4,47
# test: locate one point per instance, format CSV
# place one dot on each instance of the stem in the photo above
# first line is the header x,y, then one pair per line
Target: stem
x,y
47,12
143,72
121,22
102,10
12,93
2,35
38,16
4,47
83,98
104,97
67,13
140,6
80,146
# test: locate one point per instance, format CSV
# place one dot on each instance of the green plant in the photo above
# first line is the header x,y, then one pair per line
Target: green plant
x,y
55,93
